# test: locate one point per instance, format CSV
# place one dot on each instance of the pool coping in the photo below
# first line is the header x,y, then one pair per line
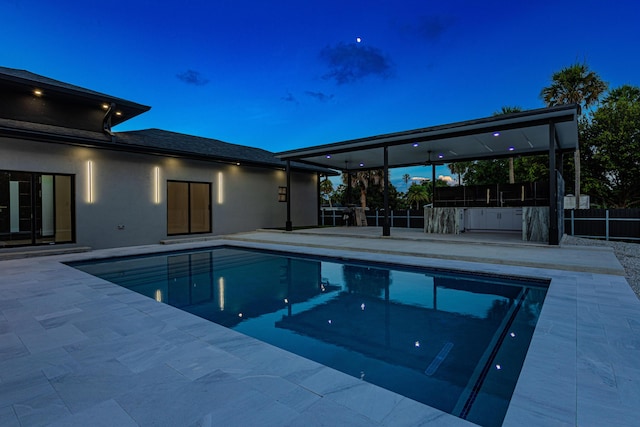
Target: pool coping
x,y
590,322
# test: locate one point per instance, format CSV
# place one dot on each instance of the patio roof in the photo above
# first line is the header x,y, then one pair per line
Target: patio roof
x,y
523,133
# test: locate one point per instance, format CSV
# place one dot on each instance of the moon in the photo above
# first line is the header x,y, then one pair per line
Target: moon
x,y
358,39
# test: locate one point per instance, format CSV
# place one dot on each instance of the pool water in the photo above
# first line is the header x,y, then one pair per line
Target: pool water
x,y
453,341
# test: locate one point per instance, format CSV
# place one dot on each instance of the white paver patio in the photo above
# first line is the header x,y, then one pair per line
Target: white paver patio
x,y
77,350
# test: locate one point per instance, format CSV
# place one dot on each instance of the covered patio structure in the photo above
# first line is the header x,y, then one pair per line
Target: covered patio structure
x,y
551,131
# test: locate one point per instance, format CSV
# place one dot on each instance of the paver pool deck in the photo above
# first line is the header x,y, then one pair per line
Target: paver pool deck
x,y
77,350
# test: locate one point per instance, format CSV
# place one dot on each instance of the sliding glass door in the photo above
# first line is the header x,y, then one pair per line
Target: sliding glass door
x,y
188,207
35,208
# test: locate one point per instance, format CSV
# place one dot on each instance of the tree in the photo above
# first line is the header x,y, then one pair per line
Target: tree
x,y
417,194
459,169
575,84
502,111
326,188
612,147
363,180
485,172
406,177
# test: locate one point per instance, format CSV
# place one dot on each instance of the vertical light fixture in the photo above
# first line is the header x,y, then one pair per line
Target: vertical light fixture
x,y
89,181
220,188
158,295
157,184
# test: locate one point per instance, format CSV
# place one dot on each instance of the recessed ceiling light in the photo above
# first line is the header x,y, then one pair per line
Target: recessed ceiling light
x,y
37,92
361,164
512,148
105,106
496,134
440,156
328,156
118,113
415,144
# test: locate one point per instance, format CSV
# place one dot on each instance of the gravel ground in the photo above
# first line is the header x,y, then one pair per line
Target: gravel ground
x,y
627,253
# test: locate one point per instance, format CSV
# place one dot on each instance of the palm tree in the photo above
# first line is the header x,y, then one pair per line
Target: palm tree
x,y
406,177
417,194
326,188
509,110
362,180
459,169
578,85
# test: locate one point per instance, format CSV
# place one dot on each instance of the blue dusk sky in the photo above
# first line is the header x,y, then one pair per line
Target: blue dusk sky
x,y
285,74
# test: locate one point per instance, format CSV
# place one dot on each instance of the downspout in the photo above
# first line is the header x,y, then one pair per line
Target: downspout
x,y
106,121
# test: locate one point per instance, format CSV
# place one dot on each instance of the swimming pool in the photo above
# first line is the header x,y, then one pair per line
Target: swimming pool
x,y
451,340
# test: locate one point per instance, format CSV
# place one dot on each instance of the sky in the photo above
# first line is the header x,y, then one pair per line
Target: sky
x,y
284,74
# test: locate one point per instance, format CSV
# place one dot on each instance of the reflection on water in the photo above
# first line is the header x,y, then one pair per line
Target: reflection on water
x,y
455,342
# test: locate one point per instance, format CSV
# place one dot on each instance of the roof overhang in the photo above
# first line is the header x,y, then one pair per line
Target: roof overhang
x,y
517,134
21,79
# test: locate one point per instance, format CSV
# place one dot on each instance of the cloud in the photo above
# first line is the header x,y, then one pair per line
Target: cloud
x,y
431,28
193,78
448,179
349,63
322,97
427,28
290,98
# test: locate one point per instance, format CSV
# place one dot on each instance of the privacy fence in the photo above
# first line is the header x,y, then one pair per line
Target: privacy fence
x,y
409,218
607,224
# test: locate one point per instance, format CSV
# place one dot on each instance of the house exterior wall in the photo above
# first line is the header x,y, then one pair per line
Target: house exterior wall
x,y
124,201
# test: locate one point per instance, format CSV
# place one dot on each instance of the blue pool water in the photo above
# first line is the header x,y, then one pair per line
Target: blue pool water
x,y
453,341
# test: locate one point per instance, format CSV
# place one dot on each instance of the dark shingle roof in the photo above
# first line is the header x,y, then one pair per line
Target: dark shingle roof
x,y
213,149
153,141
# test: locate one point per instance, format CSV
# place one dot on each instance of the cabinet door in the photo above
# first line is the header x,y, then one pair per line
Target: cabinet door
x,y
493,219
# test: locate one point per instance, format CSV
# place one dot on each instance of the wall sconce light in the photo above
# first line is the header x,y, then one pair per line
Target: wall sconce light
x,y
220,188
156,173
89,181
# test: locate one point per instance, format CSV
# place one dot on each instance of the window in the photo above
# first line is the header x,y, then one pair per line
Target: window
x,y
36,208
282,194
188,207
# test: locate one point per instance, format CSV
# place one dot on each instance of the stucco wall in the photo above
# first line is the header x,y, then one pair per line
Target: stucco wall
x,y
125,209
